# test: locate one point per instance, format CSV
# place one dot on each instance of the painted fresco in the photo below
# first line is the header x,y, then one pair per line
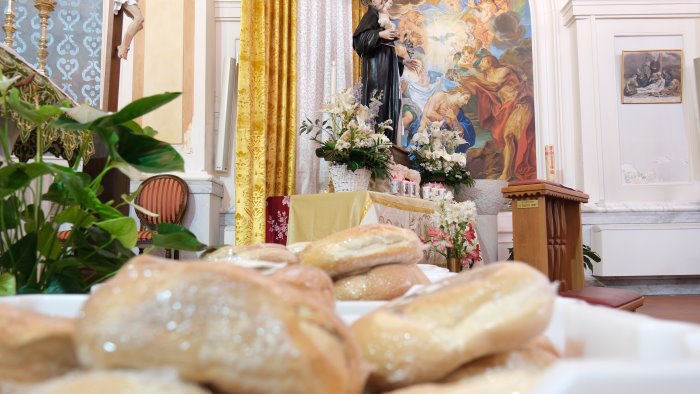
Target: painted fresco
x,y
474,73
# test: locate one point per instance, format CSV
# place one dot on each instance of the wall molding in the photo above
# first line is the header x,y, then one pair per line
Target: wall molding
x,y
228,10
620,9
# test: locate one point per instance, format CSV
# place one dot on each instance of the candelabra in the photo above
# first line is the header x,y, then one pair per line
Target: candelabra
x,y
9,26
45,8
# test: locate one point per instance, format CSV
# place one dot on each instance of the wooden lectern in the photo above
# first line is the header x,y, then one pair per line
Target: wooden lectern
x,y
547,229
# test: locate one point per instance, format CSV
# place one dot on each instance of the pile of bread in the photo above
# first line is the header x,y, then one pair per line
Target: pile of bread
x,y
372,262
161,326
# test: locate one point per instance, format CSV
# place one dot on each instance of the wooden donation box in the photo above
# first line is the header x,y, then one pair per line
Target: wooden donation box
x,y
547,229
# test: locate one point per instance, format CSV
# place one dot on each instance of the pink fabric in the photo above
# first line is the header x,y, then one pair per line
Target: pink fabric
x,y
277,219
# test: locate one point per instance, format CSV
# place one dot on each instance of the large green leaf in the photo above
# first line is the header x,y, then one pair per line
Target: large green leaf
x,y
137,109
27,111
147,154
17,176
66,123
173,236
8,212
24,255
8,286
49,246
30,222
92,120
104,210
29,288
123,229
64,284
75,215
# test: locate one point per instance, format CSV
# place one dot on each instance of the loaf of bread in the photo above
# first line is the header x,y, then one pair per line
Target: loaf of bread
x,y
384,282
528,358
34,347
273,253
311,280
360,248
298,247
423,337
111,382
505,382
228,327
516,371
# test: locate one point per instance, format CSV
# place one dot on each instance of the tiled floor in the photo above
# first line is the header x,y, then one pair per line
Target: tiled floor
x,y
681,307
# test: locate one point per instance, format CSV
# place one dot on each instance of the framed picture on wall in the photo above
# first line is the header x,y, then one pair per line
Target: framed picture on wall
x,y
652,77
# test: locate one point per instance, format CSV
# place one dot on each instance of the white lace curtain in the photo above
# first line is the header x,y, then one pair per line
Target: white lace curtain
x,y
324,31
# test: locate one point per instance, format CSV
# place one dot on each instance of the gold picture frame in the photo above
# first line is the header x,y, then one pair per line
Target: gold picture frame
x,y
652,76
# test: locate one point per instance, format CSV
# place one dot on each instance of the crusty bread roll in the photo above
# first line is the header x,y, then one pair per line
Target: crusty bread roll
x,y
34,347
273,253
384,282
111,382
231,328
425,336
298,247
360,248
528,358
504,382
516,371
311,280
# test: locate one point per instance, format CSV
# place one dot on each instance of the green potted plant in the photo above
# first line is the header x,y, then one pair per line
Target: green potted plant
x,y
38,199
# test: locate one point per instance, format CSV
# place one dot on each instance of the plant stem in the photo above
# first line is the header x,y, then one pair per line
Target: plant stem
x,y
39,190
98,178
6,136
7,240
78,158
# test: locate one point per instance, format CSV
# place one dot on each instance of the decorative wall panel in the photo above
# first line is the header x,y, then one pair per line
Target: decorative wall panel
x,y
74,42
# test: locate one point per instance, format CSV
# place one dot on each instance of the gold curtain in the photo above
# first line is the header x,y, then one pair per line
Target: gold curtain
x,y
358,10
266,125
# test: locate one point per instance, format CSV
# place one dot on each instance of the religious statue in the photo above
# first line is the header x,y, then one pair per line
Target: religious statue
x,y
131,8
373,40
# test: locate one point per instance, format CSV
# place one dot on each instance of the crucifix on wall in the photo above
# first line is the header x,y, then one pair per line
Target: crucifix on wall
x,y
131,8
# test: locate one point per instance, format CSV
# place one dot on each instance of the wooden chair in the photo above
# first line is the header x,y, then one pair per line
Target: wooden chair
x,y
166,195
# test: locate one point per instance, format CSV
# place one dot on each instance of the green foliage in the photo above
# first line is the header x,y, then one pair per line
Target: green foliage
x,y
590,256
32,259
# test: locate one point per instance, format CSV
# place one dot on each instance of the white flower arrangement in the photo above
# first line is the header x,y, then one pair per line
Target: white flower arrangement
x,y
433,152
452,231
350,135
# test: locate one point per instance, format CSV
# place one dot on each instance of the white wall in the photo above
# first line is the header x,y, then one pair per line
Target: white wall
x,y
228,28
640,227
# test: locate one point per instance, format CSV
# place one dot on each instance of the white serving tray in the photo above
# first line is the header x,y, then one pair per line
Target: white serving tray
x,y
617,351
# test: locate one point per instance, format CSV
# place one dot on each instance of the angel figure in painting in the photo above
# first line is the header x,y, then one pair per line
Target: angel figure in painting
x,y
131,8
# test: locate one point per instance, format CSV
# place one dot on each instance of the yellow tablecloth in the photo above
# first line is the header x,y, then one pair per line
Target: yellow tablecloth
x,y
313,216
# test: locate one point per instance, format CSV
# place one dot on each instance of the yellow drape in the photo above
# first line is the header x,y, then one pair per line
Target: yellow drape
x,y
358,10
266,125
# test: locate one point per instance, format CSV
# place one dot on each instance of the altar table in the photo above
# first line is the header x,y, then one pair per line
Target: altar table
x,y
308,217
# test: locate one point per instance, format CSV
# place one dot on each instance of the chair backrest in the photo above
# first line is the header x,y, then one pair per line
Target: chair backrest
x,y
166,195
